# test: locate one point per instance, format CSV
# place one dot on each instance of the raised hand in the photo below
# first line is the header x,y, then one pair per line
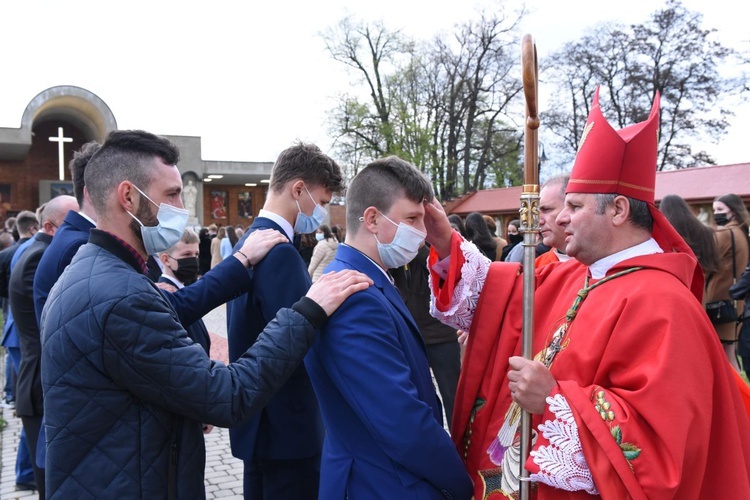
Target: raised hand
x,y
439,230
332,289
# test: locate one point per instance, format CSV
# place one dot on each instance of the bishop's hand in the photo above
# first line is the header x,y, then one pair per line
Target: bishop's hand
x,y
530,384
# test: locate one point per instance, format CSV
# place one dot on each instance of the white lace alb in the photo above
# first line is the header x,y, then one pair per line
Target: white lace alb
x,y
460,312
562,464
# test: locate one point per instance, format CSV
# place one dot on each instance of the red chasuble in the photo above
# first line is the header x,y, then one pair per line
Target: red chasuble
x,y
655,403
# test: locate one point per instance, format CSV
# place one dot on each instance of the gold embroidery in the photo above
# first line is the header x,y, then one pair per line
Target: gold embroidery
x,y
604,408
585,134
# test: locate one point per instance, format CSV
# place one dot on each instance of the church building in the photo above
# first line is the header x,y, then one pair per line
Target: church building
x,y
58,121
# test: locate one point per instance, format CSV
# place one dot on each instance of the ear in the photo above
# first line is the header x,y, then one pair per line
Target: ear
x,y
621,211
49,228
297,187
164,259
125,196
370,220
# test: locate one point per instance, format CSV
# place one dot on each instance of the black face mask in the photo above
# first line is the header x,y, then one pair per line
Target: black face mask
x,y
187,270
515,238
721,219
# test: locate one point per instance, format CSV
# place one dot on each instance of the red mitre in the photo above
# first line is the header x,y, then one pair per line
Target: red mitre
x,y
617,161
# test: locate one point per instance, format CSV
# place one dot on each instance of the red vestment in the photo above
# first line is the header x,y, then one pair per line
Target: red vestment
x,y
673,425
546,258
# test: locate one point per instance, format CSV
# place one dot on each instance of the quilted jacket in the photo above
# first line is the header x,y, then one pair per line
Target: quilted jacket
x,y
125,389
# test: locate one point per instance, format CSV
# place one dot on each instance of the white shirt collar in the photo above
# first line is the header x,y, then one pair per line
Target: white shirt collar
x,y
280,221
599,268
390,279
87,218
176,282
563,257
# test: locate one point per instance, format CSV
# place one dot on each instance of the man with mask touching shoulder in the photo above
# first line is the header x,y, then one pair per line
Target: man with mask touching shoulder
x,y
384,426
125,389
281,445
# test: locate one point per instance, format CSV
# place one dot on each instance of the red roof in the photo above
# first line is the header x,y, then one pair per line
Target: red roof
x,y
490,201
695,185
703,184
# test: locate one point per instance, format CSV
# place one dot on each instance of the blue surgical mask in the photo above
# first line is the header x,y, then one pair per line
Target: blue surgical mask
x,y
167,233
319,236
403,248
306,224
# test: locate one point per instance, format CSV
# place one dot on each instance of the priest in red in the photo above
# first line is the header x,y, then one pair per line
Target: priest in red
x,y
630,391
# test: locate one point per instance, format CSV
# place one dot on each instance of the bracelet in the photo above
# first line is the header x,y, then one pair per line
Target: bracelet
x,y
243,254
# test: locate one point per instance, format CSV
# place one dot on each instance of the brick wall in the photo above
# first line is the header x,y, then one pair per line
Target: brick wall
x,y
22,177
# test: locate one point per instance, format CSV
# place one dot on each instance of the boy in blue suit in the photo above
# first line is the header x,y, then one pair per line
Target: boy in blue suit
x,y
281,445
384,427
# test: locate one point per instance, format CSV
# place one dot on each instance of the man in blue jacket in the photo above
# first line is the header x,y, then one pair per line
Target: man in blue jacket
x,y
281,445
384,424
125,389
72,234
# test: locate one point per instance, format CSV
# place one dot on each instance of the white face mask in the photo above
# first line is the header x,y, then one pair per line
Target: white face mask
x,y
403,248
319,236
306,224
166,234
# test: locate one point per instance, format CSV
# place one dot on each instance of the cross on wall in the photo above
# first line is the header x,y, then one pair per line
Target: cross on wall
x,y
60,139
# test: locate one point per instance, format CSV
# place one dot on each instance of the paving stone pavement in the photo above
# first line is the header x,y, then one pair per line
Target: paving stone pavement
x,y
223,474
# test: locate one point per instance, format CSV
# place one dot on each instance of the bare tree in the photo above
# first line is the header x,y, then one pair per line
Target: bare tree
x,y
442,105
670,53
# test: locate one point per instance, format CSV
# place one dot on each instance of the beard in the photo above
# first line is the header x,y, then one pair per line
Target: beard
x,y
146,216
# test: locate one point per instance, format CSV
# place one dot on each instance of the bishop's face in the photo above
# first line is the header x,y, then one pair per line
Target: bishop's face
x,y
588,233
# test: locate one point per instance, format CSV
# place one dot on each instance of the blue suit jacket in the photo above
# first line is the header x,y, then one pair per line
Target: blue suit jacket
x,y
385,436
290,426
197,331
71,235
10,334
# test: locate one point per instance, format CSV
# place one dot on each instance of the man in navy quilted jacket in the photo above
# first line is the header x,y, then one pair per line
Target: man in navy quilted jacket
x,y
125,389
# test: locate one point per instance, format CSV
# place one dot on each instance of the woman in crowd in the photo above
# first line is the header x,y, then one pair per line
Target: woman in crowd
x,y
697,235
204,249
501,243
732,220
216,246
307,244
458,224
514,237
228,243
478,233
339,233
323,253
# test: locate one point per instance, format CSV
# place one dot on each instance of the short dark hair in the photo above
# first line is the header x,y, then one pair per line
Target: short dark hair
x,y
640,216
77,167
25,221
380,183
308,163
126,155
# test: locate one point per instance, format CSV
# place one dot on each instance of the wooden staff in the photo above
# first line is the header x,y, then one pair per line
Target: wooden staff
x,y
529,227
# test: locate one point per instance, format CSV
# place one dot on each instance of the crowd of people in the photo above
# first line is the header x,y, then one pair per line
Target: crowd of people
x,y
338,336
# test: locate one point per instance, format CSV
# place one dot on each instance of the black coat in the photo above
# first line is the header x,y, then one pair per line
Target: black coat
x,y
125,389
21,297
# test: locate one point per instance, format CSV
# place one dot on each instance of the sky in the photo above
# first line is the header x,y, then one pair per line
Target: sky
x,y
250,78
